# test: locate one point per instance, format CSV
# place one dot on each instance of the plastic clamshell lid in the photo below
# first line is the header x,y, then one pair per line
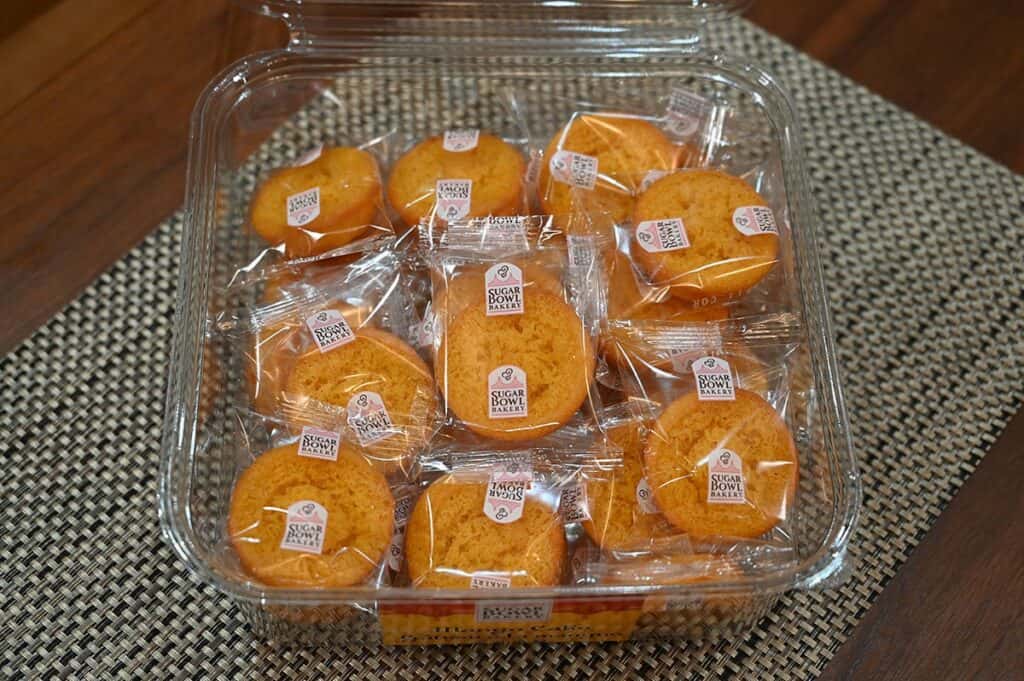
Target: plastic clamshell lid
x,y
583,25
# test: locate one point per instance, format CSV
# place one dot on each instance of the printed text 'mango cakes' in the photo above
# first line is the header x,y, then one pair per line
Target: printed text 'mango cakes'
x,y
696,233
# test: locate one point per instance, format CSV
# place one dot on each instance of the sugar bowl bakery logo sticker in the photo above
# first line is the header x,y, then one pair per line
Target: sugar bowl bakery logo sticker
x,y
305,527
504,289
573,503
686,110
645,497
725,478
329,329
453,198
578,170
368,418
506,492
316,443
655,236
403,507
303,208
506,393
463,139
754,220
714,379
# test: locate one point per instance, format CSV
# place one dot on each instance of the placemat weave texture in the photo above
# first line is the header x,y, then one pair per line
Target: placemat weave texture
x,y
922,243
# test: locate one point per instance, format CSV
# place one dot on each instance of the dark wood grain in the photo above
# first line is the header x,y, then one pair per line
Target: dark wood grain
x,y
954,609
959,64
94,157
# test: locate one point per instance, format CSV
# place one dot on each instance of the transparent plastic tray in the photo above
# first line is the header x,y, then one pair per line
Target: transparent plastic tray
x,y
422,67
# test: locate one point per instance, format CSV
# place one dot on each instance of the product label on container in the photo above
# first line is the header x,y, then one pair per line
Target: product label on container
x,y
310,156
714,379
503,284
461,140
651,177
403,507
368,418
303,208
559,619
536,610
754,220
329,329
578,170
573,503
305,527
725,478
506,493
686,110
317,443
645,497
506,393
489,580
655,236
453,199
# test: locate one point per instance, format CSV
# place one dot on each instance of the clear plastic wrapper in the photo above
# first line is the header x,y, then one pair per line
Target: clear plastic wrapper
x,y
719,456
515,328
308,509
496,520
603,156
326,198
333,340
462,173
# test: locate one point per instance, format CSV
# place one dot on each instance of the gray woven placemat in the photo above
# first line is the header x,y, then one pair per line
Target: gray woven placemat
x,y
922,241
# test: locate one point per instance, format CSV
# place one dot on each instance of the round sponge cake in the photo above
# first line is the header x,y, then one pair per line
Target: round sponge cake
x,y
617,520
350,199
495,168
626,149
449,538
546,342
375,361
720,261
678,455
359,520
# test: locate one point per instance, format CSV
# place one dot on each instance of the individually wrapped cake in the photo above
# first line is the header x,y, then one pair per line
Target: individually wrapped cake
x,y
516,328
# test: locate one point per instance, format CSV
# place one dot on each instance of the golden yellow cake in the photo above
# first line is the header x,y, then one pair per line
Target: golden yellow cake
x,y
720,260
355,533
618,520
449,539
627,149
689,456
494,167
346,203
482,360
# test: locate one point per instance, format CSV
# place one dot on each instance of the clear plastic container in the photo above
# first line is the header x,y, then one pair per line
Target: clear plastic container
x,y
419,68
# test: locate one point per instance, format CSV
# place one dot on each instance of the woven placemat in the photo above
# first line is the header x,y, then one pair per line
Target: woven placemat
x,y
921,241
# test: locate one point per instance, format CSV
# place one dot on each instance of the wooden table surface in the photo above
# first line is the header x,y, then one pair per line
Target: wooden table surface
x,y
94,109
